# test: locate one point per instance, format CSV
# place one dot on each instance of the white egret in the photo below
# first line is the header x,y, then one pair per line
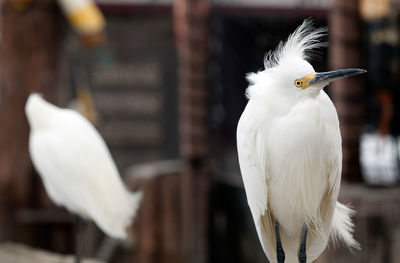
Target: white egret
x,y
76,167
290,153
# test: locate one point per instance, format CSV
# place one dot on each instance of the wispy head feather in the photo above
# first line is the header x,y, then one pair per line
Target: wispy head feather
x,y
301,43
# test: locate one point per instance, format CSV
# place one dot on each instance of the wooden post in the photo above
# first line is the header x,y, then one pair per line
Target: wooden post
x,y
158,228
28,48
191,32
158,233
347,94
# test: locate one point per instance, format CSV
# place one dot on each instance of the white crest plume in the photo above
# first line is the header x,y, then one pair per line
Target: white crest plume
x,y
300,44
303,40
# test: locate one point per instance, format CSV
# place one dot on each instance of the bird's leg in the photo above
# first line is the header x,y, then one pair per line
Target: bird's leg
x,y
78,237
280,254
302,251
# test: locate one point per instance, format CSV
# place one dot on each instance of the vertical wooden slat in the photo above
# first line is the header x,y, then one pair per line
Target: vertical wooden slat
x,y
149,225
171,251
28,51
158,227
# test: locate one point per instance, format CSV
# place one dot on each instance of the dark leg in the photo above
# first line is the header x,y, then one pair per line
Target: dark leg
x,y
280,254
302,252
78,237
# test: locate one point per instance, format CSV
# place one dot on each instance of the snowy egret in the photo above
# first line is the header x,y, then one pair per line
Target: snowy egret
x,y
76,167
290,154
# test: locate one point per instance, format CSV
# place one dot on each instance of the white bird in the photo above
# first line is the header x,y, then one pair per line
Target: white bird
x,y
77,169
290,153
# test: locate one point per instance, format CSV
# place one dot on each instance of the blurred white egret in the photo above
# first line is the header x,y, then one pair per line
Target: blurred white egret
x,y
290,154
76,167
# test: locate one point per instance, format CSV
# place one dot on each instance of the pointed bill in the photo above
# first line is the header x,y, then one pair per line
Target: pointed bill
x,y
322,78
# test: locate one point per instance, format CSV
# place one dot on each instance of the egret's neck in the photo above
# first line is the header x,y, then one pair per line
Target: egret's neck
x,y
278,102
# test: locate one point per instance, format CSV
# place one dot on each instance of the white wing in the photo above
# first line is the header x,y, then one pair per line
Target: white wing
x,y
342,226
79,173
253,159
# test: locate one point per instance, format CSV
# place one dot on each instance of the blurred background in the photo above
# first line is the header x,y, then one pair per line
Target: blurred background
x,y
164,82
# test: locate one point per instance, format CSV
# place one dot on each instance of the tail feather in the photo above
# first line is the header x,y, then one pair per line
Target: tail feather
x,y
134,204
343,227
115,223
135,200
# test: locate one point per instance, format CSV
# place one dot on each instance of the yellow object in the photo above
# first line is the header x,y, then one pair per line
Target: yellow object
x,y
87,20
88,108
304,82
373,10
84,16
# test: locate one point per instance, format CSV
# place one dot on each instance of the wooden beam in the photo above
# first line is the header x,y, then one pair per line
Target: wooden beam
x,y
28,52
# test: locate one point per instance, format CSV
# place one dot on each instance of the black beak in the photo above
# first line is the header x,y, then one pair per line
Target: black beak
x,y
327,77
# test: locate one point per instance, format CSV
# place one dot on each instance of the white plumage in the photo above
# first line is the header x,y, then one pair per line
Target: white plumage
x,y
76,167
290,154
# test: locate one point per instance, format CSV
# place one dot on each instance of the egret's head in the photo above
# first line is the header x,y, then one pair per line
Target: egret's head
x,y
287,68
32,103
38,111
298,73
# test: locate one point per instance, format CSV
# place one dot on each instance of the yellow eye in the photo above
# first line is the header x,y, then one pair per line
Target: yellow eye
x,y
298,83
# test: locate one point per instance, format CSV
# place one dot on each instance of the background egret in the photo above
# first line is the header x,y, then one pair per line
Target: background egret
x,y
77,169
290,154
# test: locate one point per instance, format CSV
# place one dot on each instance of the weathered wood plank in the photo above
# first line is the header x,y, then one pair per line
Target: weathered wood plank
x,y
159,224
18,253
